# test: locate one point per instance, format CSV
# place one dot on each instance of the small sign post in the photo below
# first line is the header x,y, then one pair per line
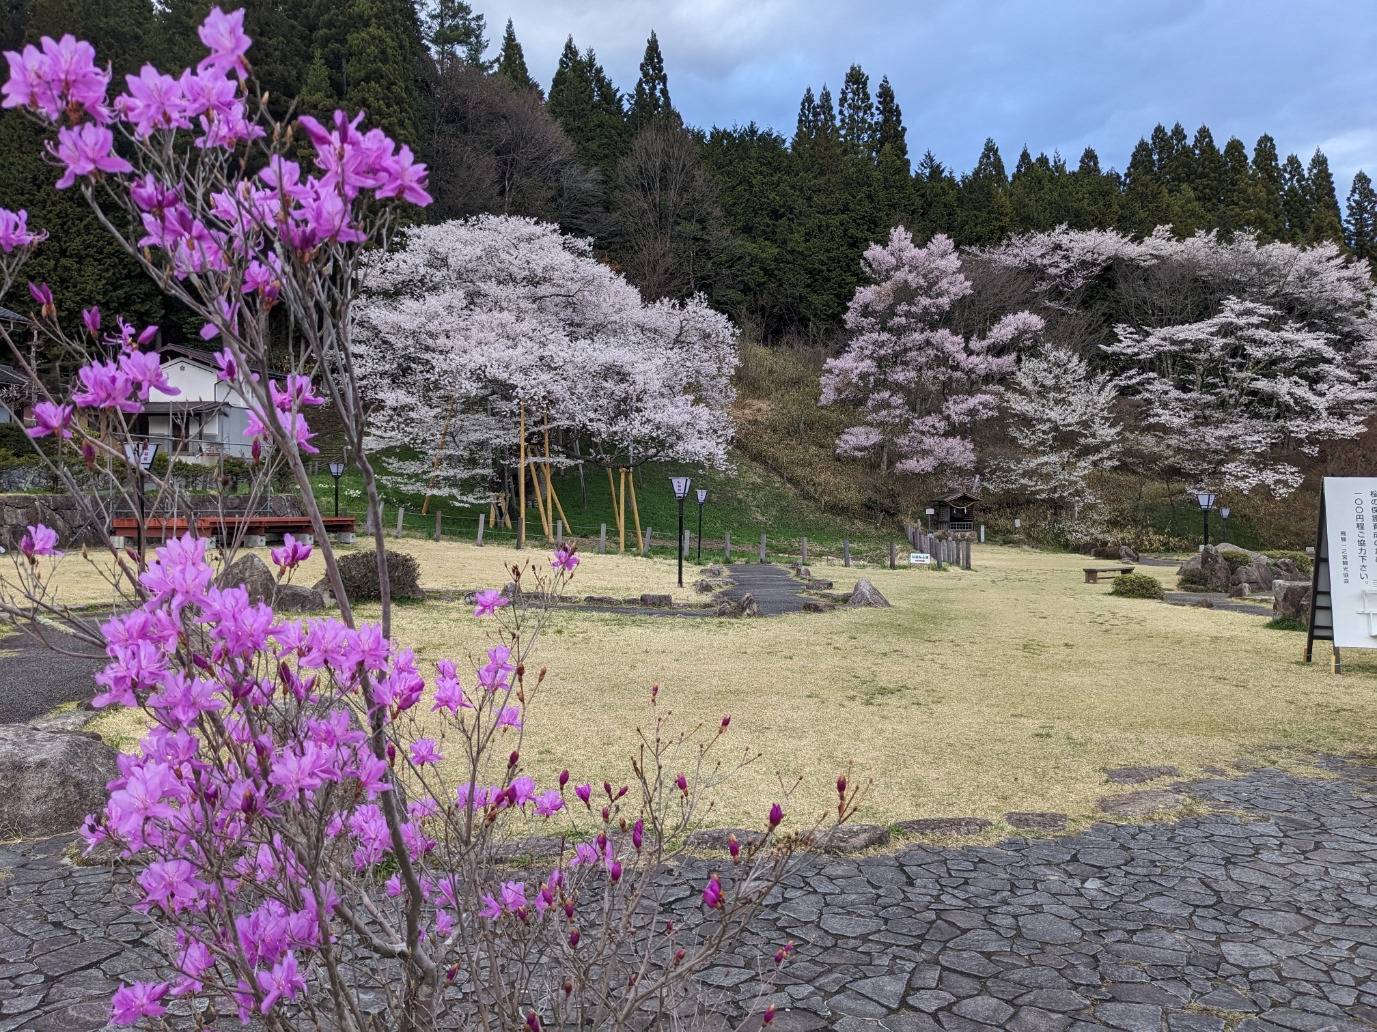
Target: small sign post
x,y
1343,585
919,558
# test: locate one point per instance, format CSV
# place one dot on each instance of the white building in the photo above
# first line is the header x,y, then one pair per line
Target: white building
x,y
203,421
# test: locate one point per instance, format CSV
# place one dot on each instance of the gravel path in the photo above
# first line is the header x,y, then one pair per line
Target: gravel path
x,y
34,679
1259,917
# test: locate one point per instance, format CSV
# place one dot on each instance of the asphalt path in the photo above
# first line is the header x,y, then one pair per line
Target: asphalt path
x,y
36,678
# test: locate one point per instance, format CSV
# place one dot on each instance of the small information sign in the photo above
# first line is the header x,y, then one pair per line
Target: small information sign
x,y
919,558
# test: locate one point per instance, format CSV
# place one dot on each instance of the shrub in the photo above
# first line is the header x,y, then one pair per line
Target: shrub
x,y
1302,561
1137,585
1192,578
1286,623
359,572
1236,559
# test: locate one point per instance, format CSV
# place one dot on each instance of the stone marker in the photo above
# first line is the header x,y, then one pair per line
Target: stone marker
x,y
866,594
52,781
1138,775
1291,600
1036,821
1140,804
1127,554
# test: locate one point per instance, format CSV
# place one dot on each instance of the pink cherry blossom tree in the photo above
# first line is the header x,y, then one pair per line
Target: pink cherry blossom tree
x,y
920,385
471,323
315,816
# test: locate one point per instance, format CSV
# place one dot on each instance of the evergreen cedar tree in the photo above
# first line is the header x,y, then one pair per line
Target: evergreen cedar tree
x,y
780,242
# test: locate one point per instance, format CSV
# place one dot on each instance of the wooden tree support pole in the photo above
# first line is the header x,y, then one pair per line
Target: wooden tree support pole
x,y
439,450
635,512
437,526
621,516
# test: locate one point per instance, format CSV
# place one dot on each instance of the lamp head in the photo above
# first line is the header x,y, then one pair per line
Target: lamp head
x,y
702,495
1205,498
336,469
681,486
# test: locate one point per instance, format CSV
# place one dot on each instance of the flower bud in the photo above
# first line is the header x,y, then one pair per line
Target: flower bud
x,y
769,1016
563,779
733,847
682,782
574,938
726,720
615,871
532,1022
637,834
776,815
841,785
512,759
678,957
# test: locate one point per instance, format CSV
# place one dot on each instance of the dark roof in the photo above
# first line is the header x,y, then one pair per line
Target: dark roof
x,y
204,357
958,499
9,316
11,377
179,407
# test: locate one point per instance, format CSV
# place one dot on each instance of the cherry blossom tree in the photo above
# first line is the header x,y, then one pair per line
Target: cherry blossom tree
x,y
313,816
1058,416
476,332
1231,396
920,385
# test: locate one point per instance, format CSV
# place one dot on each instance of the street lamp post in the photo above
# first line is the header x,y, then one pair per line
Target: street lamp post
x,y
140,455
681,490
1206,501
702,497
336,471
1224,518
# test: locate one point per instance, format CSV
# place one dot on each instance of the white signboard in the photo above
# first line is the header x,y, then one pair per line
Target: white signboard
x,y
1350,505
919,558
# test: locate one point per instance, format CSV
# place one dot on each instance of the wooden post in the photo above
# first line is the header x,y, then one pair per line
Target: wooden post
x,y
559,534
635,512
401,511
437,526
804,560
645,542
521,482
612,489
762,548
602,540
846,552
549,486
891,555
621,515
727,544
481,519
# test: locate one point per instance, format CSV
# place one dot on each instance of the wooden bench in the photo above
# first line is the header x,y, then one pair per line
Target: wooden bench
x,y
1092,573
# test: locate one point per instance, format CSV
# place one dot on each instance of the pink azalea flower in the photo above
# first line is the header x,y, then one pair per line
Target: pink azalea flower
x,y
449,693
584,792
104,385
492,910
549,803
284,979
423,751
565,559
223,35
291,554
39,540
154,101
406,178
494,675
509,717
14,231
90,317
489,602
140,1000
86,150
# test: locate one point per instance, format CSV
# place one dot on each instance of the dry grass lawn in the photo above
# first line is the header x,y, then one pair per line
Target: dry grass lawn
x,y
1010,687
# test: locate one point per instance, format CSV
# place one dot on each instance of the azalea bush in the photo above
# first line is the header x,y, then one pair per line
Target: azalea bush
x,y
320,822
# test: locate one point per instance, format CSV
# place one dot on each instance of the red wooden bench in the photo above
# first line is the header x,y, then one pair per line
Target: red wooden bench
x,y
157,528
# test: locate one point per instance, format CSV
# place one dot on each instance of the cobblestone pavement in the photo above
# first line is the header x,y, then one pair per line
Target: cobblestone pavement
x,y
1260,916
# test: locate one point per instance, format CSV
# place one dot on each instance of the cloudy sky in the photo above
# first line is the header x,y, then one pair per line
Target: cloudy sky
x,y
1054,74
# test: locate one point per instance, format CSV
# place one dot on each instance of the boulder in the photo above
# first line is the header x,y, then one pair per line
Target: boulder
x,y
657,601
1285,569
49,782
1207,571
602,600
1036,820
1193,563
1203,603
745,607
1240,591
711,571
853,838
322,587
944,826
817,606
802,572
705,587
867,595
817,584
253,574
1127,555
1224,546
294,598
1256,575
1291,600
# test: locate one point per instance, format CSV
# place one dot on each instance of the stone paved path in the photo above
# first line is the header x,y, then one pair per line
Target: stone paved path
x,y
1258,917
35,680
774,588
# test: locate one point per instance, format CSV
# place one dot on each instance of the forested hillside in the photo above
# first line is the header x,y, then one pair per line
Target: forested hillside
x,y
769,223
